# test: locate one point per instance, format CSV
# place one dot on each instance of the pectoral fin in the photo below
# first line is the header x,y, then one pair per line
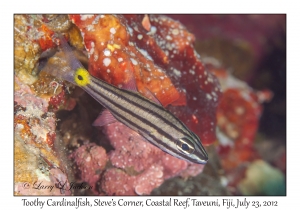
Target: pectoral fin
x,y
104,118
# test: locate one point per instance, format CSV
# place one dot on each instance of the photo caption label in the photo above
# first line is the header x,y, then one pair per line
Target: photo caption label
x,y
176,203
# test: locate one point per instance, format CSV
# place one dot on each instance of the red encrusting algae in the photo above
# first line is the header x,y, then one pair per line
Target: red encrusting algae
x,y
45,41
159,58
238,118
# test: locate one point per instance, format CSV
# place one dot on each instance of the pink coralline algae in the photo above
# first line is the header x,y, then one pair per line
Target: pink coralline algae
x,y
137,166
133,152
90,160
36,161
117,182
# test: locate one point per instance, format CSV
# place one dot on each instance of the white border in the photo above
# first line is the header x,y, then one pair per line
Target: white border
x,y
8,8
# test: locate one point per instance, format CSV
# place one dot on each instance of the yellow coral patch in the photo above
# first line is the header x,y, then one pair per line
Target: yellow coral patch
x,y
25,162
117,46
82,77
113,47
110,47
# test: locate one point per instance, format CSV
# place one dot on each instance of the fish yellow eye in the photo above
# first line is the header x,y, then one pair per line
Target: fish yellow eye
x,y
184,146
82,77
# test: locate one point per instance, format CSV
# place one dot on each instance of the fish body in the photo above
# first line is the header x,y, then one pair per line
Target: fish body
x,y
151,120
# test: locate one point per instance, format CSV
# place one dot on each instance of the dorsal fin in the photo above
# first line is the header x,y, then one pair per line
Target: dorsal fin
x,y
131,83
151,96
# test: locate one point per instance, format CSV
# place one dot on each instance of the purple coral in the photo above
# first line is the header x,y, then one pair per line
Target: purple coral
x,y
91,160
139,166
118,182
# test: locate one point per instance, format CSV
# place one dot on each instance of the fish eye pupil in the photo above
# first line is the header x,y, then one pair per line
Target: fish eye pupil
x,y
185,147
80,77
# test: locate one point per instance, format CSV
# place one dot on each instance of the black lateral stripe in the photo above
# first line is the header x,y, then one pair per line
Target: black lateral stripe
x,y
145,121
127,122
133,94
158,141
136,95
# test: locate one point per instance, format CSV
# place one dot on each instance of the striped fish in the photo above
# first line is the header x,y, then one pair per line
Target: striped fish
x,y
149,118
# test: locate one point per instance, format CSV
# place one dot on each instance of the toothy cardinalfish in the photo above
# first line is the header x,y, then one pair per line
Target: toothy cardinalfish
x,y
149,118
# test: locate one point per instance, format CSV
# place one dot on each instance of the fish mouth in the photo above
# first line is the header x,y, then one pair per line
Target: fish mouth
x,y
202,158
202,161
198,160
